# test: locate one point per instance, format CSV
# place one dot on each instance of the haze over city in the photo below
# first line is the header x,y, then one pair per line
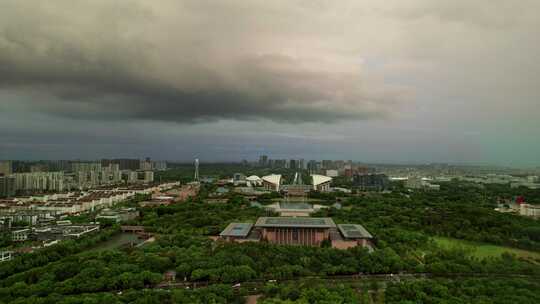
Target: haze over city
x,y
374,81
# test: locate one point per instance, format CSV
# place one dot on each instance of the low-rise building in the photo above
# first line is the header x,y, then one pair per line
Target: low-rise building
x,y
118,216
529,210
237,232
414,182
352,235
332,173
294,208
370,182
6,256
20,235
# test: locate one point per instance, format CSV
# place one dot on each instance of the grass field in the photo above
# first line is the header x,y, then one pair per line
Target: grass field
x,y
481,250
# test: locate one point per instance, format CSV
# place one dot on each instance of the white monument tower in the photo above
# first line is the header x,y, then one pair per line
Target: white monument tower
x,y
196,179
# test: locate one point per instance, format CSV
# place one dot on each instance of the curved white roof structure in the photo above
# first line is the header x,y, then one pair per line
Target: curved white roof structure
x,y
272,178
320,179
254,178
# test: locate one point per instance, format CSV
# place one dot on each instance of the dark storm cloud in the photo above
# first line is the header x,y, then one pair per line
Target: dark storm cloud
x,y
132,60
421,78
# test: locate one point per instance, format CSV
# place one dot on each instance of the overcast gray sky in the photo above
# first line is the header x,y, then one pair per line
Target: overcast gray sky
x,y
395,81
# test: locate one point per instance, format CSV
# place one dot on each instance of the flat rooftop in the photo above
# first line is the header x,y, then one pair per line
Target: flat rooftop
x,y
294,206
353,231
237,229
301,222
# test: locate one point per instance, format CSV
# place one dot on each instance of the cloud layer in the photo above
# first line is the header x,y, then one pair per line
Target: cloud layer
x,y
181,61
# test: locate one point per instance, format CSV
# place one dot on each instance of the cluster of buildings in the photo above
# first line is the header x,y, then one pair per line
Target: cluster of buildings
x,y
74,175
316,182
519,206
531,181
414,182
360,176
177,194
303,231
36,210
45,236
331,168
52,234
117,215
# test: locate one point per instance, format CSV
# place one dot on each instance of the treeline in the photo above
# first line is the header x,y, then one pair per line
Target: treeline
x,y
450,213
313,292
52,253
216,294
402,226
464,291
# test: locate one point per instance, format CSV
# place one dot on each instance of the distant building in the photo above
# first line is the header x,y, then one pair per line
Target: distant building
x,y
414,182
146,165
85,167
160,165
374,182
263,160
239,178
328,164
39,181
293,164
124,163
39,168
526,184
148,176
332,173
6,167
313,166
7,186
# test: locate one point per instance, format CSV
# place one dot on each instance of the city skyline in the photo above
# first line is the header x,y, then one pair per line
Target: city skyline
x,y
394,82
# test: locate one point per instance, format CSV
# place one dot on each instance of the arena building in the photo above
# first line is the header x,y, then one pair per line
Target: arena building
x,y
321,182
303,231
271,182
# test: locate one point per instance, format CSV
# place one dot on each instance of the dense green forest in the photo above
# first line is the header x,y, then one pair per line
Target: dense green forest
x,y
403,224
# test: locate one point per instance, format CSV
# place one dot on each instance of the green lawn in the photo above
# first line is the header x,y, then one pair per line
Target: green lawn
x,y
482,250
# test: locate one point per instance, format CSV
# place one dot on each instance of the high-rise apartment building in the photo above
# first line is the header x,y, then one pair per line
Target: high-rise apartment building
x,y
160,165
86,167
7,186
6,167
263,160
146,164
39,181
124,163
